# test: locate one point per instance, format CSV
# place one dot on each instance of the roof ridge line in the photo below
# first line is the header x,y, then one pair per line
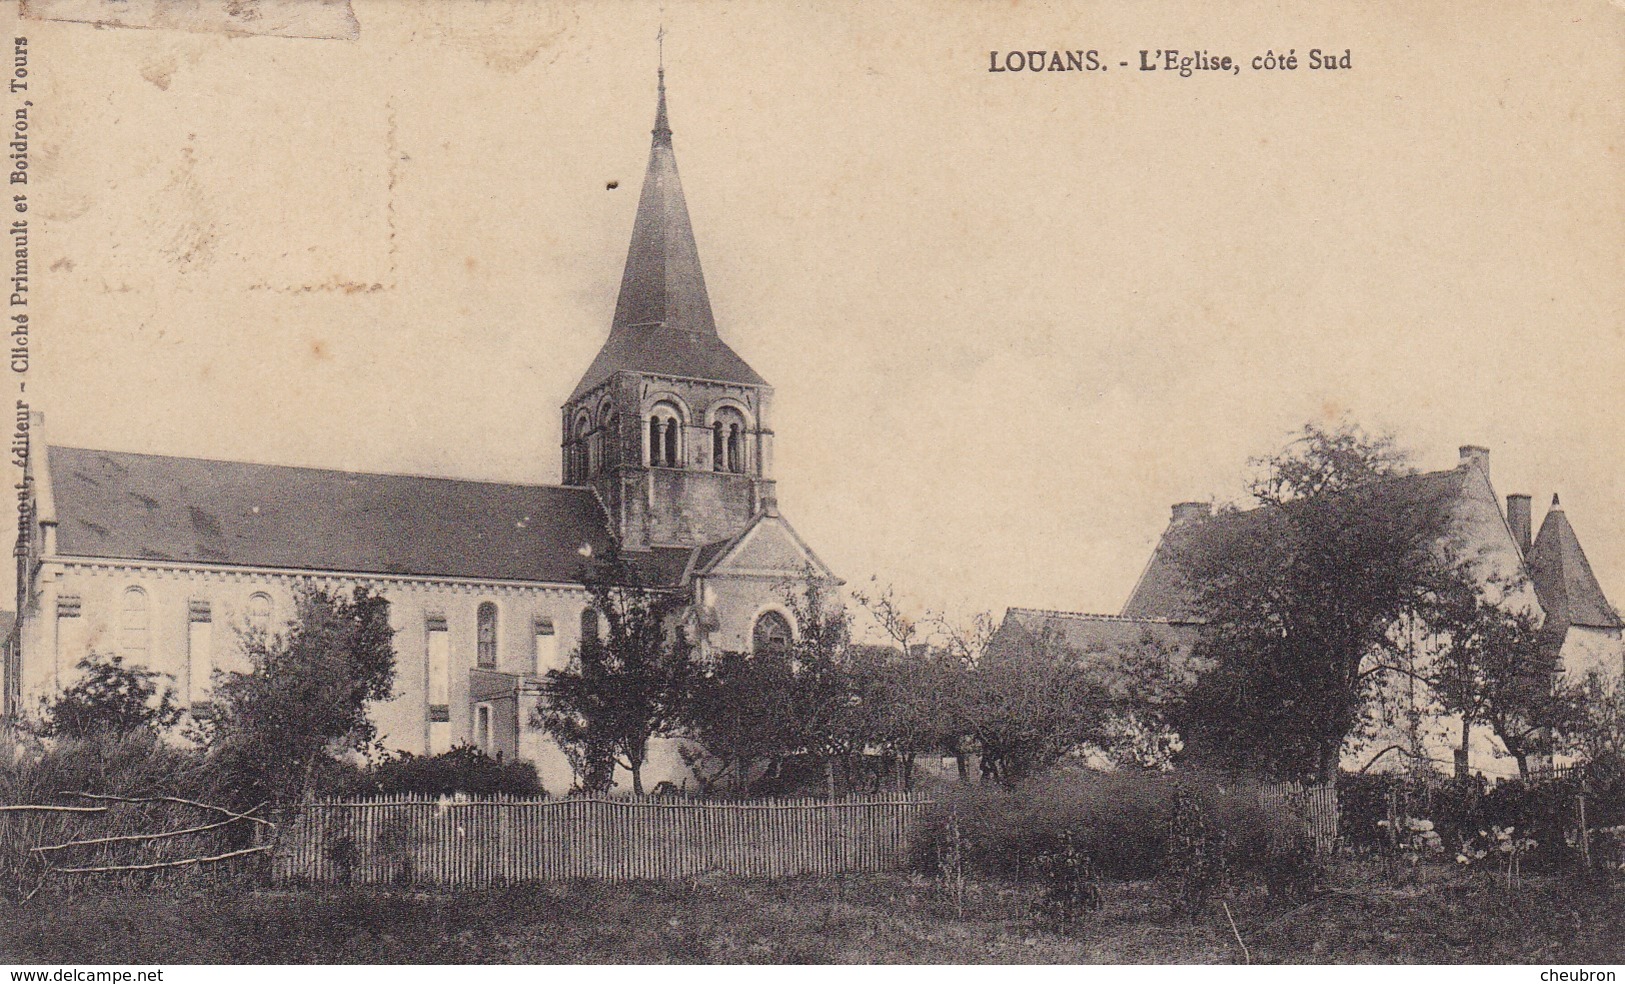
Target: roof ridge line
x,y
1093,617
318,468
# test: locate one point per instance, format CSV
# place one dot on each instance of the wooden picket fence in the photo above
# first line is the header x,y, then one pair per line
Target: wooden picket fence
x,y
413,840
1319,807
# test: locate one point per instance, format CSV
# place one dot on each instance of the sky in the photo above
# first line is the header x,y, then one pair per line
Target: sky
x,y
1010,318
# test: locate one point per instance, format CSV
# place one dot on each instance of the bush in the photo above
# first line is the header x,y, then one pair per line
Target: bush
x,y
464,769
133,765
1123,823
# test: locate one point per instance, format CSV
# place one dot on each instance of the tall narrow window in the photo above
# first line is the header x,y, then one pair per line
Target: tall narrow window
x,y
609,442
482,728
132,636
488,635
70,634
584,463
729,437
665,436
547,647
438,692
259,613
200,650
719,447
589,631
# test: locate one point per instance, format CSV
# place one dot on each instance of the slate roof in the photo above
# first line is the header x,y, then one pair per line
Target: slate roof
x,y
663,322
663,351
1567,589
1087,633
1164,591
118,504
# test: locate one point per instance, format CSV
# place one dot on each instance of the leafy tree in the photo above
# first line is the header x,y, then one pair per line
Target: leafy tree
x,y
1145,684
1495,667
110,698
304,701
1032,702
912,696
1298,594
624,689
761,708
1597,730
739,712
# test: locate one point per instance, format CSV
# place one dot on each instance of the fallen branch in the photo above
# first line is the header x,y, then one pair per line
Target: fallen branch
x,y
174,799
163,864
125,838
54,809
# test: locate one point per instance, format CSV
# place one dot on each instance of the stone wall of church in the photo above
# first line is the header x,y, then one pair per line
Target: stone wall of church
x,y
148,614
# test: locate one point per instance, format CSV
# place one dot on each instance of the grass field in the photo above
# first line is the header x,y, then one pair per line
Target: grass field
x,y
1447,917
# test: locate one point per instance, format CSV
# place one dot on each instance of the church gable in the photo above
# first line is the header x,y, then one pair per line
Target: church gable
x,y
767,547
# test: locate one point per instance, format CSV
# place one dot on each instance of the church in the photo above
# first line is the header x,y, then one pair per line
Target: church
x,y
667,454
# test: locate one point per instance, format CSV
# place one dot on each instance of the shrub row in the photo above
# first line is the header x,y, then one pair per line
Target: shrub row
x,y
1129,825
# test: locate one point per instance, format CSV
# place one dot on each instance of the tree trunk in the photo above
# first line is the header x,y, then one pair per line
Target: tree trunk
x,y
1466,747
962,762
636,768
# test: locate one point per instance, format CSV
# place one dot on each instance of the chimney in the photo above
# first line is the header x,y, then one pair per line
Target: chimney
x,y
1190,512
1477,455
1518,517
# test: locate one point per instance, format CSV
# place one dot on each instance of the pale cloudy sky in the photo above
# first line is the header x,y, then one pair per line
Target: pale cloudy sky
x,y
1009,318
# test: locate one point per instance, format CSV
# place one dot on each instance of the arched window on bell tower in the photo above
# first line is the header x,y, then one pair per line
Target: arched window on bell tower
x,y
728,452
665,444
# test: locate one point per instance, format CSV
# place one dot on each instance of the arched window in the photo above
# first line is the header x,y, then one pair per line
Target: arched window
x,y
609,442
259,613
728,439
589,631
583,448
487,635
132,640
772,633
665,449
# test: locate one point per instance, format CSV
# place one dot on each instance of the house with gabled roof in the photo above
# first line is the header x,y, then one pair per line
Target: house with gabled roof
x,y
667,448
1546,574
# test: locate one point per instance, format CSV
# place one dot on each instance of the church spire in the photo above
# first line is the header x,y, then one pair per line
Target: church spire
x,y
663,284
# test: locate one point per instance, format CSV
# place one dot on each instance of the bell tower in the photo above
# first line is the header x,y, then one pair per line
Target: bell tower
x,y
669,424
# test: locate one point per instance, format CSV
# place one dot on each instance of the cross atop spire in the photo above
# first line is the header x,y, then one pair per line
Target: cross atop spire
x,y
662,130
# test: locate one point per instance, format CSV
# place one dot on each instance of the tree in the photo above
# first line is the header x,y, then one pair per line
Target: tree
x,y
733,713
305,698
748,711
1297,594
1145,684
110,698
620,691
913,695
1597,730
1032,702
1494,666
